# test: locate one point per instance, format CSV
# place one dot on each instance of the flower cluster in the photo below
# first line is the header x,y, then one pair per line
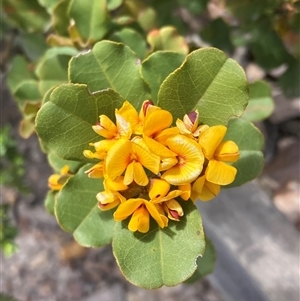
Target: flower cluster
x,y
146,163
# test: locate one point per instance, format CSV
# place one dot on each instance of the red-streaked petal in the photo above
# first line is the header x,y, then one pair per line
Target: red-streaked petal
x,y
190,161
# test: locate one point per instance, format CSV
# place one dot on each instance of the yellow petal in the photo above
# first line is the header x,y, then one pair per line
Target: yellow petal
x,y
227,151
145,158
190,161
156,121
118,158
106,128
53,182
139,174
164,135
220,173
107,200
128,177
161,220
197,187
167,163
159,188
116,185
127,208
140,220
124,127
129,113
210,139
182,127
158,148
95,171
186,191
204,190
64,170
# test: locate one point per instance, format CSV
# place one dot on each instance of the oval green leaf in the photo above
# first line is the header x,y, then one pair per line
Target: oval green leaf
x,y
250,142
91,20
261,104
132,39
111,65
53,67
76,210
64,123
207,81
161,256
158,66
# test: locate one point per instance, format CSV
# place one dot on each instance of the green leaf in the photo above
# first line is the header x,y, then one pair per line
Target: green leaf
x,y
48,4
207,81
28,90
217,33
58,163
60,17
33,44
50,201
167,38
19,71
205,264
250,142
53,68
113,4
289,81
261,104
77,211
92,20
132,39
27,16
267,48
161,256
158,66
111,65
64,123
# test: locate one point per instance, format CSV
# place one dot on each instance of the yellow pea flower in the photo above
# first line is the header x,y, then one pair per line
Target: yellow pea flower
x,y
131,158
159,194
137,120
189,125
57,181
111,197
189,161
218,152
